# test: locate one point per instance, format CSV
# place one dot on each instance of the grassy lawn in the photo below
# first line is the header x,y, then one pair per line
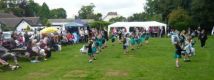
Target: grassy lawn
x,y
154,61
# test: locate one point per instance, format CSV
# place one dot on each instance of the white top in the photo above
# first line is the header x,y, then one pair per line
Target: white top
x,y
86,32
81,33
212,31
127,41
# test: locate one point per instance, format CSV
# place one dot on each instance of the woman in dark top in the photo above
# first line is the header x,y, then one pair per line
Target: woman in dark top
x,y
203,37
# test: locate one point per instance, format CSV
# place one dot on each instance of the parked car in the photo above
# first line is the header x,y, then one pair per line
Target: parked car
x,y
6,39
7,35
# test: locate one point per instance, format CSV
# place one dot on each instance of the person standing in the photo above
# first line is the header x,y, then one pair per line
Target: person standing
x,y
203,38
86,35
212,31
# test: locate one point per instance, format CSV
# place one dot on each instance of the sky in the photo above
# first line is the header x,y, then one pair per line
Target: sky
x,y
122,7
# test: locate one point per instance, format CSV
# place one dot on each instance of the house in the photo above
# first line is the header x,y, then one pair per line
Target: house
x,y
7,15
60,22
110,15
20,23
63,22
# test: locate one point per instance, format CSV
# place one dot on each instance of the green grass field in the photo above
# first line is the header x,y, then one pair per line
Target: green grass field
x,y
154,61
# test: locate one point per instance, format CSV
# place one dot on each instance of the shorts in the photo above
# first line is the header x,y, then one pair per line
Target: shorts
x,y
177,55
90,54
133,42
94,50
125,46
138,41
112,40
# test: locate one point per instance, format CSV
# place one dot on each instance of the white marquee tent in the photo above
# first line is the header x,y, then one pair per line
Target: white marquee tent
x,y
145,25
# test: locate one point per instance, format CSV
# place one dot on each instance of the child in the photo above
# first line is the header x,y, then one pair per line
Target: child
x,y
177,53
126,44
142,38
90,51
132,41
113,39
147,38
94,49
188,50
138,41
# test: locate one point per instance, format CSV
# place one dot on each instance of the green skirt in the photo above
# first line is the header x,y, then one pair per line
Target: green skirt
x,y
133,42
142,39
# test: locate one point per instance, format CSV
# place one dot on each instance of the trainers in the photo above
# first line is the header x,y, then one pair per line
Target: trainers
x,y
187,60
35,61
95,58
90,61
13,68
45,59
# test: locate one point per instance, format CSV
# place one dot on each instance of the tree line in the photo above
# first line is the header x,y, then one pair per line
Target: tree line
x,y
29,8
179,14
182,14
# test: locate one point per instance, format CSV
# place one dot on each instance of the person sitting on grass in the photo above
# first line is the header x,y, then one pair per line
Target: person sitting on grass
x,y
5,64
5,56
37,52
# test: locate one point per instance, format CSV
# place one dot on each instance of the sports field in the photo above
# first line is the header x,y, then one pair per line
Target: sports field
x,y
154,61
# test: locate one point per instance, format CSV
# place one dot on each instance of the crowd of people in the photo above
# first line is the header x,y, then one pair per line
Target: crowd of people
x,y
98,38
38,47
184,42
35,46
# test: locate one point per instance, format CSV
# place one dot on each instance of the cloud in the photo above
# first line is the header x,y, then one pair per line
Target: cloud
x,y
123,7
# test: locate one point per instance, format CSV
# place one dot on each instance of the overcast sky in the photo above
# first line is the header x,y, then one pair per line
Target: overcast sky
x,y
122,7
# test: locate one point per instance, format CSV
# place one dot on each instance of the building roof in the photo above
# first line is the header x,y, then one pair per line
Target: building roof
x,y
110,14
7,15
13,22
60,20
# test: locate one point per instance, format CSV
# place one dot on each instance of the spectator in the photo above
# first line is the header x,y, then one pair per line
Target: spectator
x,y
86,35
203,38
212,31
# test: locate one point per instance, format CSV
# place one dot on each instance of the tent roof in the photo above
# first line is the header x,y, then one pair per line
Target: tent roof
x,y
137,24
80,21
74,24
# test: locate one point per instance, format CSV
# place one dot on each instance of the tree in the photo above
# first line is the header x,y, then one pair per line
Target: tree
x,y
87,12
2,5
203,13
58,13
117,19
32,9
99,24
97,17
44,13
179,19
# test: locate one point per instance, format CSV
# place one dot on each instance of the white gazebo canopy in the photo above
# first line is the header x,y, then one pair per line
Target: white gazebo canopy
x,y
145,25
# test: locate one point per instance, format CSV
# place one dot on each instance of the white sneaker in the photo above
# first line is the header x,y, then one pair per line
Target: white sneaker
x,y
13,68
